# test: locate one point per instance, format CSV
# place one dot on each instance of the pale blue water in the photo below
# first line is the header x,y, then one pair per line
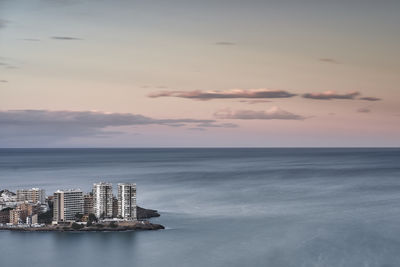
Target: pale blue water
x,y
221,207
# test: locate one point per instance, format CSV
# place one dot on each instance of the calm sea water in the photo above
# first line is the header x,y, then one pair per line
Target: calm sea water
x,y
221,207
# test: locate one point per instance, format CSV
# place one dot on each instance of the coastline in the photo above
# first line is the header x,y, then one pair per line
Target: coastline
x,y
140,225
137,226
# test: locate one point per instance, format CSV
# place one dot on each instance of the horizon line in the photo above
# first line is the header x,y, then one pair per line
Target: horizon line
x,y
208,147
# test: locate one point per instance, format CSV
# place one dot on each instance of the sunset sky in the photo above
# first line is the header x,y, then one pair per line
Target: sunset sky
x,y
94,73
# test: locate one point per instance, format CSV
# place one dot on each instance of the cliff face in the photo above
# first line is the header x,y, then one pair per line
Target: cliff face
x,y
143,213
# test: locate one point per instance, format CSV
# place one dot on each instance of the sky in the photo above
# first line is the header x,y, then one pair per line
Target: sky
x,y
102,73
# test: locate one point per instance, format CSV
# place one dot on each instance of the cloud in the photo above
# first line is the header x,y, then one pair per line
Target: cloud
x,y
329,95
67,38
215,125
368,98
154,86
7,66
31,39
237,93
364,110
257,101
3,23
67,124
273,113
257,96
196,129
8,63
225,43
329,60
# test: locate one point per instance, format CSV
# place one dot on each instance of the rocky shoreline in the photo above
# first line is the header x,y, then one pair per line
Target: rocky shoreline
x,y
143,213
137,226
141,225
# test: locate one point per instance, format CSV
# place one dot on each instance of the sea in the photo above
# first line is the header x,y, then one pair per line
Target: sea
x,y
278,207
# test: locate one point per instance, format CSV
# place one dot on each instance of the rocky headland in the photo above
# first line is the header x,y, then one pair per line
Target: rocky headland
x,y
113,226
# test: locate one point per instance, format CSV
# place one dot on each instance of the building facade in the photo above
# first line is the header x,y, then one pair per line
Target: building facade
x,y
103,200
23,211
88,204
67,204
127,208
33,195
115,207
5,215
33,219
18,216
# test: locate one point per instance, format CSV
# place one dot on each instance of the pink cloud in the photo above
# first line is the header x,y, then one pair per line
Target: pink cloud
x,y
273,113
329,95
236,93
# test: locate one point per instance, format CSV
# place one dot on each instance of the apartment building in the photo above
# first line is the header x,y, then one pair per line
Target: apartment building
x,y
127,201
88,204
115,207
5,215
23,211
33,195
103,200
67,203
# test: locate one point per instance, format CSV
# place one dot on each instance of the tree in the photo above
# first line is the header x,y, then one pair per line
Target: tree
x,y
78,217
92,218
77,226
46,217
89,223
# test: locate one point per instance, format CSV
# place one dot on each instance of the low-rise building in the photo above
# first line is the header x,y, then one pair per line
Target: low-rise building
x,y
33,219
22,211
5,215
18,216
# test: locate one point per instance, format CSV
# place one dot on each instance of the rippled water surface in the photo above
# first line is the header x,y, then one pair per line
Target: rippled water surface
x,y
221,207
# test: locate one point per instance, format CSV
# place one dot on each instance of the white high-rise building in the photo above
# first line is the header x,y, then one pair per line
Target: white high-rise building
x,y
103,200
127,201
67,204
33,195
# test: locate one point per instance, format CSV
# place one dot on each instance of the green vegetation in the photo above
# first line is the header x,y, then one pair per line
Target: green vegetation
x,y
113,225
78,217
92,218
46,217
77,226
